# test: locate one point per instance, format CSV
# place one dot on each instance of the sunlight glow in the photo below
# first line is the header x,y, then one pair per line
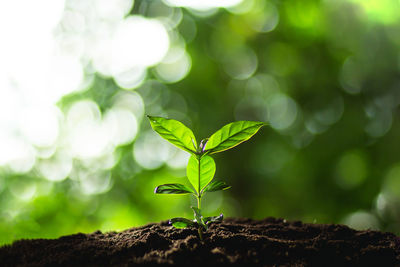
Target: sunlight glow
x,y
87,137
175,66
361,220
122,126
16,153
45,55
203,4
151,151
55,169
138,41
23,190
95,182
40,124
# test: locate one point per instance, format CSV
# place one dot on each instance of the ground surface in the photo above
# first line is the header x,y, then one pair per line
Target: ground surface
x,y
268,242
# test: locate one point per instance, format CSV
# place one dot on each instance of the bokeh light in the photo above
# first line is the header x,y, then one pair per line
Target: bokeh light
x,y
203,4
78,77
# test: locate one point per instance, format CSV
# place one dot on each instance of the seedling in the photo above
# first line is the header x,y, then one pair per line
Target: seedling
x,y
201,166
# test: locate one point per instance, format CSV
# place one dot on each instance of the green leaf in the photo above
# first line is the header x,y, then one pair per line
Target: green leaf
x,y
198,217
173,189
175,132
200,171
208,220
232,135
216,186
182,222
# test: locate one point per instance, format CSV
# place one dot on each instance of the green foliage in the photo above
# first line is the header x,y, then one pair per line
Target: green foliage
x,y
198,218
324,74
218,218
174,132
232,135
201,167
182,222
216,186
173,189
200,171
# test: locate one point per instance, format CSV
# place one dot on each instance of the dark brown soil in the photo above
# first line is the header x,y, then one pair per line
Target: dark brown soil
x,y
234,242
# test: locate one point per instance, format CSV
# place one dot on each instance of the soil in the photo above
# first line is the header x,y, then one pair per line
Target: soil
x,y
233,242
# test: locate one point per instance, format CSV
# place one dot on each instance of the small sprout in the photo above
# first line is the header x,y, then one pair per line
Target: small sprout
x,y
201,166
182,223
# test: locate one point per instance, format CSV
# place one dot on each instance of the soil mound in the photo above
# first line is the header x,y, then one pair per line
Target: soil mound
x,y
234,242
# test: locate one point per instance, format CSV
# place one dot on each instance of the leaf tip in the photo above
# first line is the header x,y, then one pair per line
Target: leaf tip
x,y
156,190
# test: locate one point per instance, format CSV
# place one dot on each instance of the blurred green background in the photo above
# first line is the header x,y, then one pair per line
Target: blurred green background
x,y
77,78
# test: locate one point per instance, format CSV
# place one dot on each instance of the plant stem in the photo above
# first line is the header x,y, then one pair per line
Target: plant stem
x,y
199,202
200,229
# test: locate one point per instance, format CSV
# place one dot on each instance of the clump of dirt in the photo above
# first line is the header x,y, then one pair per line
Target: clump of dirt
x,y
234,242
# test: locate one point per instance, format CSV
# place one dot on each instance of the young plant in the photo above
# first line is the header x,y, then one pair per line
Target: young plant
x,y
201,166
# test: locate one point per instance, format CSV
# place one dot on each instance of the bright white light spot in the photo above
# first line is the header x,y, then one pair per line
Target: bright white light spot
x,y
30,15
56,168
100,52
264,17
102,162
170,16
40,124
122,126
112,10
35,72
138,42
131,79
89,140
243,7
82,112
16,153
203,4
23,190
381,204
87,135
240,63
39,71
66,75
151,151
282,111
95,182
361,220
174,70
179,159
174,54
73,21
130,101
45,152
386,206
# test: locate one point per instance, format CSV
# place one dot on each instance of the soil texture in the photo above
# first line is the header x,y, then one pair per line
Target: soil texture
x,y
233,242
